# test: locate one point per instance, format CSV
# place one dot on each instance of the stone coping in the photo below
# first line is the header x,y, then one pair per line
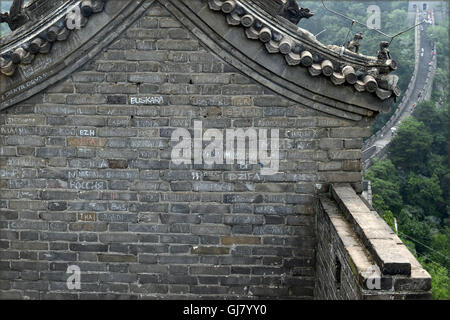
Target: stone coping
x,y
369,240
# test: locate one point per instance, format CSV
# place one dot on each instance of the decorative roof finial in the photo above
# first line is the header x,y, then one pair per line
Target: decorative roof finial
x,y
294,13
384,53
16,16
355,43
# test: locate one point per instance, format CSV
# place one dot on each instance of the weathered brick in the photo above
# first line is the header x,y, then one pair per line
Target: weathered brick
x,y
86,142
355,132
210,250
345,155
231,240
210,229
118,237
116,258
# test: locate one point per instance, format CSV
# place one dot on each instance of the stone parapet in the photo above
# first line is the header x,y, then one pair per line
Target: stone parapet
x,y
359,256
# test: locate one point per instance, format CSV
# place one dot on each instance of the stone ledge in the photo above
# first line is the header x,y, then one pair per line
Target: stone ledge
x,y
373,231
368,241
357,256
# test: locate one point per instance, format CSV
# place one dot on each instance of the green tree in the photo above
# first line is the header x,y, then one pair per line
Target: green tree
x,y
440,245
436,121
425,193
440,279
385,186
414,229
411,146
388,216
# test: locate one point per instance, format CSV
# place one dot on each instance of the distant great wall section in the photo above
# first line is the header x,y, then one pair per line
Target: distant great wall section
x,y
377,145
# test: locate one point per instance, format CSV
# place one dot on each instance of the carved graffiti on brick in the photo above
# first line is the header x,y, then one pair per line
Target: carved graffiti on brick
x,y
10,130
87,216
87,185
26,85
147,100
28,71
87,133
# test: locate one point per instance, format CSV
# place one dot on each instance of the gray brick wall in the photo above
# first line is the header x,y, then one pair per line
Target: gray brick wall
x,y
87,180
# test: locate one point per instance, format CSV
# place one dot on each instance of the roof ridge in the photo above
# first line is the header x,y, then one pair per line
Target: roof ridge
x,y
300,47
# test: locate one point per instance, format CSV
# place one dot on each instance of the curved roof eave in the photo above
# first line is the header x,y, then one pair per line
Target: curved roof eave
x,y
286,59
